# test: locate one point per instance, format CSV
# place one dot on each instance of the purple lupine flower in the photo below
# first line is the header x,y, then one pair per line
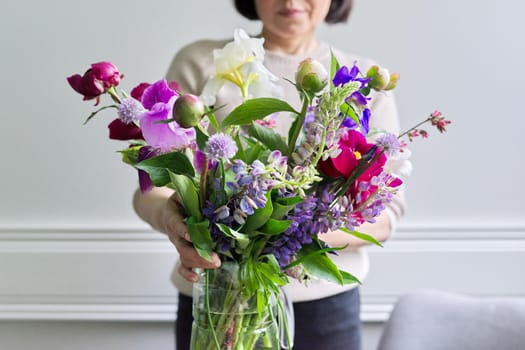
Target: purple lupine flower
x,y
217,215
251,184
220,146
312,216
277,161
129,110
246,206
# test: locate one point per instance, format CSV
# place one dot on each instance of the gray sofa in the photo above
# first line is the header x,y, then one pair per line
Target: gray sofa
x,y
436,320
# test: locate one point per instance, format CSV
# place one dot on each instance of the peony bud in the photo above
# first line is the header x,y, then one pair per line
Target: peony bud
x,y
188,110
380,77
106,73
96,80
311,76
394,78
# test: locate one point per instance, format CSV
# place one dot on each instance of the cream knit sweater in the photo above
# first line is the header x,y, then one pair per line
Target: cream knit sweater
x,y
191,68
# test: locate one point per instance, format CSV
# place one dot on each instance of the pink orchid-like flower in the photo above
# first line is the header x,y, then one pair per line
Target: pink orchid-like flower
x,y
159,99
353,146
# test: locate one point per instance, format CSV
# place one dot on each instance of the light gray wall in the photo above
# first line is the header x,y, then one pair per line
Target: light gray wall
x,y
71,248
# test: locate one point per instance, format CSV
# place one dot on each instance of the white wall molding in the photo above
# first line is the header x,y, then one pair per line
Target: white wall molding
x,y
406,230
122,273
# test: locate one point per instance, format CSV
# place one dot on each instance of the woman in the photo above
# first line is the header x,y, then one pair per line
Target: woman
x,y
326,315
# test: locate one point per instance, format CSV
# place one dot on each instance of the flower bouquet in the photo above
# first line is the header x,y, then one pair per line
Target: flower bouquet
x,y
259,199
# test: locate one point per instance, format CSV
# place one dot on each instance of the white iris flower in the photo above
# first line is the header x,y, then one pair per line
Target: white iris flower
x,y
240,62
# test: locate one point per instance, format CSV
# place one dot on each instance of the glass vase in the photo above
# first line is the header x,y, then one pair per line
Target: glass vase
x,y
225,319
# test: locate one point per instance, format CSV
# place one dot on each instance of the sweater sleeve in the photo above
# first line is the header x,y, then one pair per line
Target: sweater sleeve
x,y
193,65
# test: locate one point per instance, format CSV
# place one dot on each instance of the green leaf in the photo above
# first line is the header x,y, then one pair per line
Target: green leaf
x,y
211,116
349,278
271,271
275,227
254,109
240,149
158,167
247,276
334,67
200,236
130,155
259,217
319,265
282,206
366,90
363,236
202,138
187,193
252,153
348,110
291,131
268,137
318,251
241,239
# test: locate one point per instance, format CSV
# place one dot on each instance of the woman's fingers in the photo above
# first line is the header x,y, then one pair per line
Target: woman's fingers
x,y
178,234
190,259
189,256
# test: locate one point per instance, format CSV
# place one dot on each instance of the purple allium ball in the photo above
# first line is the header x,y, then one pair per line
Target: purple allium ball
x,y
129,110
389,143
220,146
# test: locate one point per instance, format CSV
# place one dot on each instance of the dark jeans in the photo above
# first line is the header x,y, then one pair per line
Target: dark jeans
x,y
326,324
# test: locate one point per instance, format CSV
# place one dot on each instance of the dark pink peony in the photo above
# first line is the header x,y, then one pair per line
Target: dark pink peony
x,y
107,73
118,130
96,80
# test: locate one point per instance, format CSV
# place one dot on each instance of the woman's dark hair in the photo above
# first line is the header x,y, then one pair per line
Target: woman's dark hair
x,y
338,13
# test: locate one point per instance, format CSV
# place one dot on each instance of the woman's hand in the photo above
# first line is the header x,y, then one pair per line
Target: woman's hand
x,y
161,208
177,232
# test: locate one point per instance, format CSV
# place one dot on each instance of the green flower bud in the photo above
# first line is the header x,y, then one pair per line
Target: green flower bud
x,y
380,77
311,76
188,110
394,78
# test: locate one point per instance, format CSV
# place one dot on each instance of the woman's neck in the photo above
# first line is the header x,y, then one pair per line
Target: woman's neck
x,y
291,46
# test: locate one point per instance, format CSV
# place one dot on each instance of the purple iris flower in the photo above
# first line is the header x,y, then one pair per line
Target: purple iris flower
x,y
345,75
364,120
359,98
